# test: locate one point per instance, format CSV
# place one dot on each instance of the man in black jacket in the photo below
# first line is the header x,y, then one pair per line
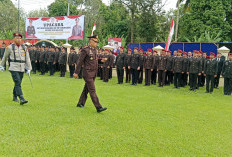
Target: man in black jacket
x,y
220,61
120,65
134,66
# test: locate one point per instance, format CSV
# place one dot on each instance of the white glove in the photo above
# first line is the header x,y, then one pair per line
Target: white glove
x,y
28,71
2,68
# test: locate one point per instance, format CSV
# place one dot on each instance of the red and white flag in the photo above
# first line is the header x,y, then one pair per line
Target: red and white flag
x,y
94,28
170,35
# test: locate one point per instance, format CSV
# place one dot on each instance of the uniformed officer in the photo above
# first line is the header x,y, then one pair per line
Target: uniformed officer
x,y
194,69
127,62
2,50
30,29
20,61
37,58
148,65
210,71
220,61
88,58
42,60
199,77
155,65
51,60
140,72
162,65
106,65
71,61
80,75
204,58
57,55
62,61
32,52
169,76
134,65
112,59
120,65
185,69
227,74
178,69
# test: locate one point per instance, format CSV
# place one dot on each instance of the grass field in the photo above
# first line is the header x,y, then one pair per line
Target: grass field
x,y
140,121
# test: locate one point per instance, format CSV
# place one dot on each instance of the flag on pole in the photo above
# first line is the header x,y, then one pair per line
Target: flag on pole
x,y
94,28
170,35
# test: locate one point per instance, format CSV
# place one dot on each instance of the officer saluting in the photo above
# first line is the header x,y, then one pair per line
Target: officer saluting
x,y
88,58
19,61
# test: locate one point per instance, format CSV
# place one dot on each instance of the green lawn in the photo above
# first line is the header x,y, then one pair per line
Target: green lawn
x,y
140,121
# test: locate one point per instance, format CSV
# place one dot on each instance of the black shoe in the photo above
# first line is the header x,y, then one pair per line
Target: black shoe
x,y
81,106
101,109
190,89
132,84
22,100
15,99
206,92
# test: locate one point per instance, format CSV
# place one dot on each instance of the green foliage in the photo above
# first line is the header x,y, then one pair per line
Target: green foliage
x,y
140,121
205,16
38,13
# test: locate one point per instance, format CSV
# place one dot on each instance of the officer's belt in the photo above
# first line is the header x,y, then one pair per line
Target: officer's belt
x,y
17,61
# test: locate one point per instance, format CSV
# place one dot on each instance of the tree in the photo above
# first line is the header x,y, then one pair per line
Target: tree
x,y
38,13
204,16
9,18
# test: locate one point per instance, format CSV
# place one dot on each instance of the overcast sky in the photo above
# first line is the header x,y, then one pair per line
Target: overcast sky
x,y
29,5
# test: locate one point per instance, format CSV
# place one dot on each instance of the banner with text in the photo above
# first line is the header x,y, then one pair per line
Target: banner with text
x,y
62,27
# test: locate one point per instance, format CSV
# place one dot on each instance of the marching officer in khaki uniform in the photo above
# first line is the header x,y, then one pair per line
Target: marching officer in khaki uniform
x,y
210,71
19,62
88,58
227,74
162,65
148,65
127,61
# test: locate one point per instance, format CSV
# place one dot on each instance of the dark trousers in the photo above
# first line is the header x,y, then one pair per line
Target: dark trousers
x,y
161,77
62,70
193,81
227,86
135,75
128,75
71,70
89,88
120,74
51,68
209,80
147,76
38,66
17,78
46,67
177,80
216,81
106,73
110,72
33,64
42,67
154,76
169,77
101,73
199,80
57,67
184,79
140,75
202,80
